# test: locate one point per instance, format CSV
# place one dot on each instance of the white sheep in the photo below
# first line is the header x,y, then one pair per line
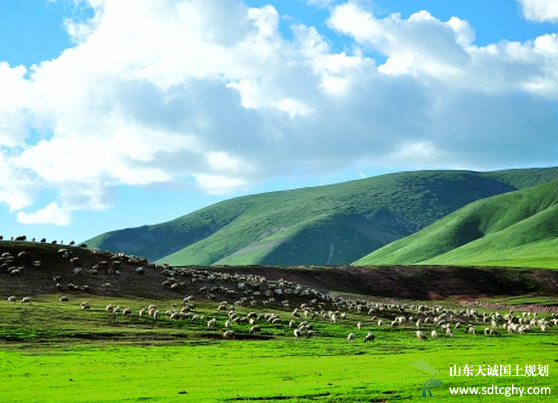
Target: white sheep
x,y
211,323
127,311
26,300
421,335
12,298
229,335
369,337
85,305
351,337
434,334
255,329
63,299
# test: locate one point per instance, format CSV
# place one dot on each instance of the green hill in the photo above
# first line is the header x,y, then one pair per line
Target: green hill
x,y
515,229
334,224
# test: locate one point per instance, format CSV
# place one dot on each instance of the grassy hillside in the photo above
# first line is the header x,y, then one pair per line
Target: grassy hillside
x,y
334,224
514,229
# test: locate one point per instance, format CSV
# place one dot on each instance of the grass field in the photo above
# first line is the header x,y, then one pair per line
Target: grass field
x,y
53,352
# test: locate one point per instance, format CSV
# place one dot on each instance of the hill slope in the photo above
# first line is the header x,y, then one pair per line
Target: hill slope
x,y
514,229
57,275
334,224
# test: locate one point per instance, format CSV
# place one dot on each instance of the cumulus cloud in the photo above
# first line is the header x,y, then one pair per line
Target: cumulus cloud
x,y
540,10
51,214
161,91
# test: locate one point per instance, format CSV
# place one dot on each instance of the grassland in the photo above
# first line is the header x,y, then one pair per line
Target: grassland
x,y
54,352
334,224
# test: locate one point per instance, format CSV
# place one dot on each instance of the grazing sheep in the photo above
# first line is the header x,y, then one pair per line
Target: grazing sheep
x,y
212,323
369,337
351,337
127,311
297,333
26,300
12,298
255,329
85,306
63,299
229,335
434,334
359,325
421,335
471,329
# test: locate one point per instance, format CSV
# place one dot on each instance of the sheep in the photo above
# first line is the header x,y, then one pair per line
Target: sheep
x,y
254,329
127,311
434,334
421,335
85,306
63,299
229,335
26,300
351,337
369,337
212,323
359,325
297,333
12,298
471,329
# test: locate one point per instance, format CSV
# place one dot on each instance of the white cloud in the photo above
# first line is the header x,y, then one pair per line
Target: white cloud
x,y
540,10
161,91
51,214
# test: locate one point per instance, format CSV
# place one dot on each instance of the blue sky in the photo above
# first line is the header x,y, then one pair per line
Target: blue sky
x,y
119,113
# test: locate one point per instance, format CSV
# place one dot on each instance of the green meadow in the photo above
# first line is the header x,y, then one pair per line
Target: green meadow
x,y
54,352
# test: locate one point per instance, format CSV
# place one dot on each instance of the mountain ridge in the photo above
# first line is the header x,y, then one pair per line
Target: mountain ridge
x,y
509,229
332,224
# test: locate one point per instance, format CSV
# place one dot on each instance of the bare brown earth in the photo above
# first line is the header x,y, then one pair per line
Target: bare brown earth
x,y
401,282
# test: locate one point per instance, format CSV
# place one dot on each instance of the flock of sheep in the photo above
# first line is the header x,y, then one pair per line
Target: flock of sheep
x,y
430,322
286,304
